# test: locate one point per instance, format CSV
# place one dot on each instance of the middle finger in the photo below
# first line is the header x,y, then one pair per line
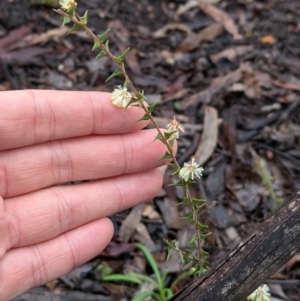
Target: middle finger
x,y
31,168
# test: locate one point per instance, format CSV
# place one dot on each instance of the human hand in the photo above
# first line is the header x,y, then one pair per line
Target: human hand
x,y
49,138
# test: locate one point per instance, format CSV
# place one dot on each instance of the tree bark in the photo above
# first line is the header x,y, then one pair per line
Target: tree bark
x,y
248,266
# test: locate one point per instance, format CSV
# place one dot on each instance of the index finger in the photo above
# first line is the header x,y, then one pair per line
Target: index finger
x,y
34,116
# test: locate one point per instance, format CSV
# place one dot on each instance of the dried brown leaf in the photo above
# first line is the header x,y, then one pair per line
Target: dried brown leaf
x,y
185,7
23,55
231,53
15,35
208,34
211,32
287,85
142,235
41,38
220,17
130,223
217,84
169,212
162,32
209,136
251,86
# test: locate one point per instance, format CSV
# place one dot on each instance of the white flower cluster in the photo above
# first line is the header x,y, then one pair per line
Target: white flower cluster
x,y
260,294
121,97
174,126
67,4
191,171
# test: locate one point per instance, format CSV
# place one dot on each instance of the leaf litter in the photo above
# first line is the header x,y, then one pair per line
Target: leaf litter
x,y
208,61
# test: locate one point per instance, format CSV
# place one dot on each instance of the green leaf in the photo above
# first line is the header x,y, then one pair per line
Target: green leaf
x,y
157,297
200,271
201,226
96,45
193,241
145,117
151,261
173,166
142,95
165,156
159,137
126,82
171,142
102,37
71,12
186,261
173,243
101,54
198,208
117,72
144,278
152,107
179,183
204,253
169,134
196,201
181,256
203,236
142,296
74,28
168,293
188,218
195,237
189,182
107,44
84,18
193,244
132,100
122,277
66,20
102,270
163,280
184,202
170,252
120,59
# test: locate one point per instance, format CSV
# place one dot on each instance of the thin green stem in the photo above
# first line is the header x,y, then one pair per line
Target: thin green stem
x,y
189,197
77,20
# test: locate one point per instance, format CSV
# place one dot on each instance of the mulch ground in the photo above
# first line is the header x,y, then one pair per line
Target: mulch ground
x,y
228,71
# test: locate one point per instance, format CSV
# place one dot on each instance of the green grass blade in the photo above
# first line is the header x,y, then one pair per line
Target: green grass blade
x,y
151,261
120,277
142,296
144,278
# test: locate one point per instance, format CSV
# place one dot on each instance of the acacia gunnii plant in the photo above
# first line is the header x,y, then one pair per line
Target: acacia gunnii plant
x,y
126,96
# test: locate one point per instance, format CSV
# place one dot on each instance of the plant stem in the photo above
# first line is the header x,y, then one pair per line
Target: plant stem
x,y
121,67
197,230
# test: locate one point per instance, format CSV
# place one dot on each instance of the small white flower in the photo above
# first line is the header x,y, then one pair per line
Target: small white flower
x,y
68,4
260,294
174,126
121,97
191,170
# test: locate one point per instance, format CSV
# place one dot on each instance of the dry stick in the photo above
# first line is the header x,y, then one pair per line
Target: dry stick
x,y
253,261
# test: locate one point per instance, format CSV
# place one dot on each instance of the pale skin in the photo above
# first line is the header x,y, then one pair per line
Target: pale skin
x,y
49,138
